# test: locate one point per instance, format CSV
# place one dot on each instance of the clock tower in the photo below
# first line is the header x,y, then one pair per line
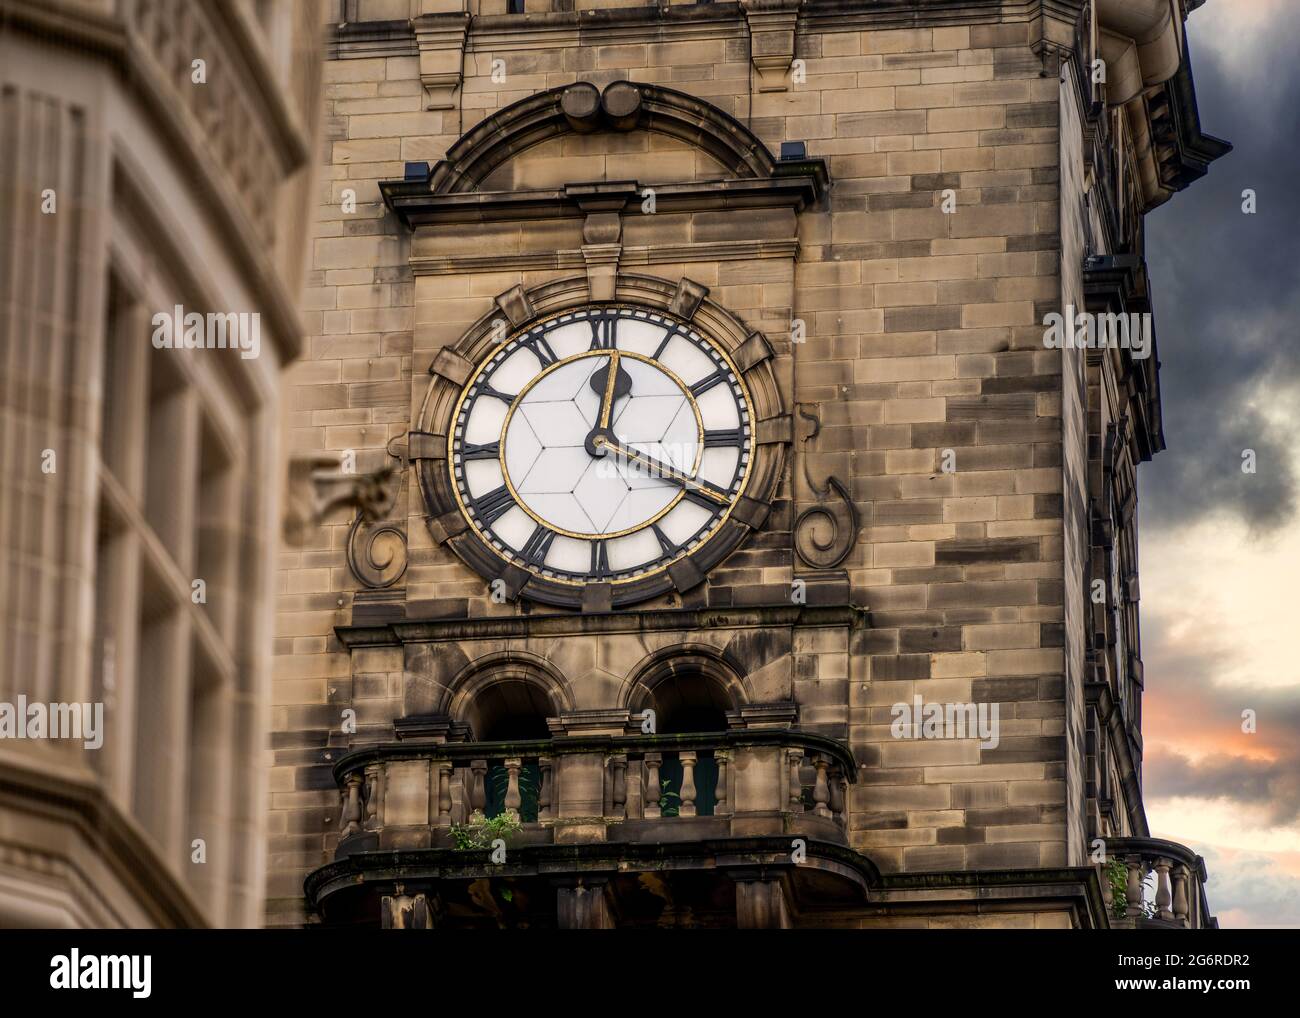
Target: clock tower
x,y
680,381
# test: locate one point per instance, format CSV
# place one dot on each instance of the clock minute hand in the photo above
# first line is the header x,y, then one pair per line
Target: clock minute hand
x,y
662,469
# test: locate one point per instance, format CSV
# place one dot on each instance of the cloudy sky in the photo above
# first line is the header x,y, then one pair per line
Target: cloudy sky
x,y
1220,555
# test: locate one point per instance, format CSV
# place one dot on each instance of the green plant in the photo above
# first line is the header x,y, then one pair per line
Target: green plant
x,y
481,831
1115,873
666,806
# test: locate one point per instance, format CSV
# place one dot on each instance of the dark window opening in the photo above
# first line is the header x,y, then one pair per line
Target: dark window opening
x,y
690,703
510,710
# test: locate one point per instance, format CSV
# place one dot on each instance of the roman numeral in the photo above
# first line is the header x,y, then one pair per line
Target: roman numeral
x,y
490,451
535,549
668,338
599,559
708,382
723,436
487,390
665,542
541,350
604,332
492,506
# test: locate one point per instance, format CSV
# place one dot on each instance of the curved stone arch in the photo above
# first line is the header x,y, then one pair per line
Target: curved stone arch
x,y
751,355
581,108
506,666
684,659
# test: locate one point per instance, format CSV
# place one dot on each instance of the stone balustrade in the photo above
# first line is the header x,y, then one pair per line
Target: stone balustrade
x,y
597,788
1165,885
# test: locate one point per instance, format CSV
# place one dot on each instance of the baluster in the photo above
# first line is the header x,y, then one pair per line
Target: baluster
x,y
439,796
513,797
1180,893
350,822
653,787
544,791
687,758
445,773
794,758
1134,889
723,757
373,789
477,791
1163,895
619,766
838,793
821,787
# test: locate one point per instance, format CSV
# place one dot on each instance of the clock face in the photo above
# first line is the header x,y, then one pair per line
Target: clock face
x,y
601,444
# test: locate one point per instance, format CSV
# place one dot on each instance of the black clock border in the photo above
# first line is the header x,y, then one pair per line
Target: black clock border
x,y
604,311
454,366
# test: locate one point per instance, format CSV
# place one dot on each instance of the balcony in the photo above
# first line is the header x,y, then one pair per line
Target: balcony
x,y
634,788
1163,886
740,827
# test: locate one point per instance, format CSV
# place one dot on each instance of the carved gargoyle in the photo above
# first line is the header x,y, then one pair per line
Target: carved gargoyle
x,y
318,484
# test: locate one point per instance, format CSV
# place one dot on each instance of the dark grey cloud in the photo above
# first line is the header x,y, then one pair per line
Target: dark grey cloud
x,y
1227,295
1270,786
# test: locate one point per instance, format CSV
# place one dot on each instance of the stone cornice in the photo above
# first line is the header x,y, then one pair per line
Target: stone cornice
x,y
398,633
795,186
572,258
1079,885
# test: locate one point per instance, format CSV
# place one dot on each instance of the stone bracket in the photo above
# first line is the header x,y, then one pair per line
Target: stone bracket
x,y
602,268
425,445
441,40
754,351
778,430
516,305
772,28
452,366
688,298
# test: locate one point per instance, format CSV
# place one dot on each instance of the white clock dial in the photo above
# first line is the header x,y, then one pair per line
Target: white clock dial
x,y
601,444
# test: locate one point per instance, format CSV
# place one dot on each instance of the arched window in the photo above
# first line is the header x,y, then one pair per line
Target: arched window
x,y
689,694
511,710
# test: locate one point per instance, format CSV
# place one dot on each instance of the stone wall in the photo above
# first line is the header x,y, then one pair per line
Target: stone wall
x,y
922,386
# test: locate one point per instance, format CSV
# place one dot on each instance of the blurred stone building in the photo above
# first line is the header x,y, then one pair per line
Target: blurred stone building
x,y
153,154
834,231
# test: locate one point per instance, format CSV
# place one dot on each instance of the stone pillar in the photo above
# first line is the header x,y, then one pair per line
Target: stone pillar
x,y
583,904
761,902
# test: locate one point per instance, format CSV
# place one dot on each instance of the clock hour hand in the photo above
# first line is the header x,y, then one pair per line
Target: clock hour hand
x,y
661,469
611,384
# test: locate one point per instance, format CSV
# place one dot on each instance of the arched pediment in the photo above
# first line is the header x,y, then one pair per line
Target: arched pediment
x,y
581,108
